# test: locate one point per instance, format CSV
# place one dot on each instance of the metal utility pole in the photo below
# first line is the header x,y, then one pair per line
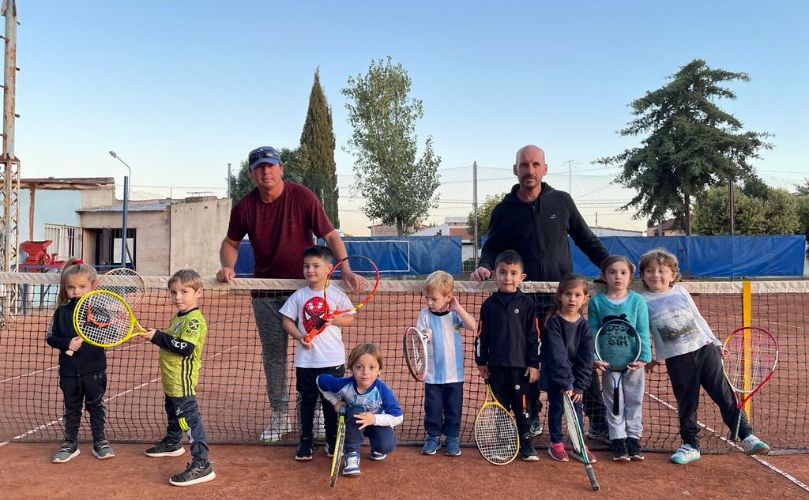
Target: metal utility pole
x,y
229,181
9,164
569,164
732,206
124,210
475,214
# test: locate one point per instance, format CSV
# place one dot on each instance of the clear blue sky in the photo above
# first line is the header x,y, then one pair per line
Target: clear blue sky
x,y
181,88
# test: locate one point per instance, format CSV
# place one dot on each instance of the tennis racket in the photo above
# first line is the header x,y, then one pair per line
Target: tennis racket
x,y
749,362
104,319
367,276
577,438
339,446
618,344
126,283
496,432
415,353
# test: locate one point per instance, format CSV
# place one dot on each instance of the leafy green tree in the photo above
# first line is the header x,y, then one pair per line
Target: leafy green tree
x,y
774,213
484,213
802,189
398,188
317,151
690,145
242,183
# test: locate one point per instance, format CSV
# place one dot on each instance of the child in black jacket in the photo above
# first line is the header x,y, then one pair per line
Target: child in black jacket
x,y
507,345
82,367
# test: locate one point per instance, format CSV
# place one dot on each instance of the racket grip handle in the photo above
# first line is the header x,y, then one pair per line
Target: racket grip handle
x,y
310,336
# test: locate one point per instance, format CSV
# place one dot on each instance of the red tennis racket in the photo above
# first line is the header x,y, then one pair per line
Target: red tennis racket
x,y
749,361
359,291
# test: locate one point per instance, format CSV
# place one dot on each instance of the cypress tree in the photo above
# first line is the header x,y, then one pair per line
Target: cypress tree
x,y
317,151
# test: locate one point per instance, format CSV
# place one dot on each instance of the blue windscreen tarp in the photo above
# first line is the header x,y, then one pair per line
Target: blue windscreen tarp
x,y
710,256
393,255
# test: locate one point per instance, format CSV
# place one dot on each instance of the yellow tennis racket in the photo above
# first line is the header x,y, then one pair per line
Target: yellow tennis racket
x,y
104,319
496,431
339,447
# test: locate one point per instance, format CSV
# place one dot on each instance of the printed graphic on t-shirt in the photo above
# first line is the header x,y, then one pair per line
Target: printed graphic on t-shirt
x,y
674,324
313,309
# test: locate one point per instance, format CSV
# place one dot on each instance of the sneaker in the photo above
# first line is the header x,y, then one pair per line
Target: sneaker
x,y
375,455
165,449
557,452
352,464
634,449
527,452
453,447
328,448
601,435
102,450
590,457
754,446
319,425
66,452
619,451
304,451
193,474
431,445
278,428
536,426
685,454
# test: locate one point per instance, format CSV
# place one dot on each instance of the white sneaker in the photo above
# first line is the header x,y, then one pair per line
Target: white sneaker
x,y
319,425
352,464
754,446
278,428
685,455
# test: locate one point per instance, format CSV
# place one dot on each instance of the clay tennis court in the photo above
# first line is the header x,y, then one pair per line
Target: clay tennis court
x,y
235,410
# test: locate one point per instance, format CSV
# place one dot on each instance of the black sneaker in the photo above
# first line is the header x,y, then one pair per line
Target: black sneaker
x,y
193,474
304,451
527,451
66,452
619,452
102,450
634,449
165,449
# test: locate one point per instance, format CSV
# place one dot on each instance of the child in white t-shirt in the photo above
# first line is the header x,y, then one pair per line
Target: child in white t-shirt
x,y
302,313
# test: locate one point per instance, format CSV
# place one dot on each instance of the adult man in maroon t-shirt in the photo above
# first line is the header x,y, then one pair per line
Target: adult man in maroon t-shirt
x,y
281,218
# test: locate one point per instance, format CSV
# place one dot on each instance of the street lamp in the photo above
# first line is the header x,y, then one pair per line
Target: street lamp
x,y
124,242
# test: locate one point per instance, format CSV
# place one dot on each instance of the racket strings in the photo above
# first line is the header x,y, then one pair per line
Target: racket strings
x,y
617,345
103,319
367,277
495,434
750,357
126,283
416,351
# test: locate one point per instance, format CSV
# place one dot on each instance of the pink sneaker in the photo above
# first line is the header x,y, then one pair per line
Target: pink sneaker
x,y
590,457
557,452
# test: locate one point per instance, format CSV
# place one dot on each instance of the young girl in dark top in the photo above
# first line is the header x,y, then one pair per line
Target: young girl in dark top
x,y
567,358
82,367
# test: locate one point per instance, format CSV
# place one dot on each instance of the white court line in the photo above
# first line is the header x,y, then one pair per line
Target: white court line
x,y
42,370
797,482
107,400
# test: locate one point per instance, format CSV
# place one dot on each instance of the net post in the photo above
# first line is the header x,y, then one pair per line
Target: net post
x,y
747,316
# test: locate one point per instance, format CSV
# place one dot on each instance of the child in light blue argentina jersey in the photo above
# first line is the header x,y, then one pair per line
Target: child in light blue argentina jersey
x,y
443,387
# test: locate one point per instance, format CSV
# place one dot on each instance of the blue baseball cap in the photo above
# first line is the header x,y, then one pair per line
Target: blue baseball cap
x,y
264,154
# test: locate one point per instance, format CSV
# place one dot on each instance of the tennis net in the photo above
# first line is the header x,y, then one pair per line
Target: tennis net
x,y
232,385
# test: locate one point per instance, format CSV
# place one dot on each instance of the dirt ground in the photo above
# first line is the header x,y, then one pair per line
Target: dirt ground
x,y
270,472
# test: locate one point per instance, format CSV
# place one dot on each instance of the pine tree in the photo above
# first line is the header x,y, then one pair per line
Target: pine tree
x,y
691,145
317,151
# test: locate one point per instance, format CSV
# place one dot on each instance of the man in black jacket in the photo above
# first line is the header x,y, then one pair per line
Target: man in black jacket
x,y
535,219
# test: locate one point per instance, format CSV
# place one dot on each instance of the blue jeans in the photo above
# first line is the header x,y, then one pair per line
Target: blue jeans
x,y
555,411
443,406
183,416
382,438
